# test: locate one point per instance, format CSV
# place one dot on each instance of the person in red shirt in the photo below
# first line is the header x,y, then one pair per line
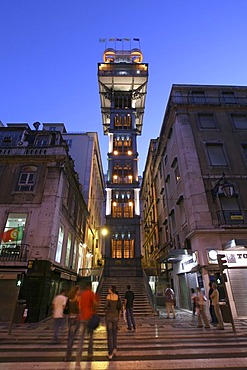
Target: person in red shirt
x,y
88,302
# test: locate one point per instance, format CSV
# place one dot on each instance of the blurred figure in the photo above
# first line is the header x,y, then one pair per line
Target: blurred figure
x,y
214,320
201,309
88,303
58,305
215,301
112,308
193,301
120,308
170,301
73,319
129,304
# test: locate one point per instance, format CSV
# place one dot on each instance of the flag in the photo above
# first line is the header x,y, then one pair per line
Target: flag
x,y
111,39
101,40
136,39
12,235
118,39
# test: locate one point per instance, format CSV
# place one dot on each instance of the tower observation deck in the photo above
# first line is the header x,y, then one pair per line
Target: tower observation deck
x,y
122,78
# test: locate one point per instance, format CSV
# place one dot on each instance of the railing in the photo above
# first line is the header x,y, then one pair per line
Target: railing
x,y
93,271
14,252
208,100
232,217
59,150
149,291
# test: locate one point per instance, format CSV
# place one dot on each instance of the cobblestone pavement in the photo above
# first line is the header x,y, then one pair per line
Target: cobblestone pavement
x,y
158,343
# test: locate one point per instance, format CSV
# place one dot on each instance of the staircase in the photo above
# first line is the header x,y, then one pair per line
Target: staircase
x,y
142,304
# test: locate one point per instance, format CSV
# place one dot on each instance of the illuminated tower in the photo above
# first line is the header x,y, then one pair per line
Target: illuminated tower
x,y
122,86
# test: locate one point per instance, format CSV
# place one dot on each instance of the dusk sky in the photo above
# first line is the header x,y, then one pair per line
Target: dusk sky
x,y
50,50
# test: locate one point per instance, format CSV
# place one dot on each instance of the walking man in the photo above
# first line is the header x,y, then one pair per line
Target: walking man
x,y
88,303
129,303
58,305
215,302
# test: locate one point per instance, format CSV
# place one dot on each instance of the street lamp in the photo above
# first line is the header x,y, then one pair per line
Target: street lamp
x,y
222,184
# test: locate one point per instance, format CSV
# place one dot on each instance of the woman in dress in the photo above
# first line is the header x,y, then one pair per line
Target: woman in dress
x,y
112,313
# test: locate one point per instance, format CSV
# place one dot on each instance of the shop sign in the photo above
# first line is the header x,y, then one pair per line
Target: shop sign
x,y
236,258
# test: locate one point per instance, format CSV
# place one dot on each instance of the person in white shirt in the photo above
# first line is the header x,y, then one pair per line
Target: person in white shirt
x,y
58,305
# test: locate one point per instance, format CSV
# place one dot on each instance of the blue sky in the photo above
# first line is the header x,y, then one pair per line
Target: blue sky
x,y
50,50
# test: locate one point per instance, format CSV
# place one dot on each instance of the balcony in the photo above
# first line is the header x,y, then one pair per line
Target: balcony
x,y
14,252
232,217
208,100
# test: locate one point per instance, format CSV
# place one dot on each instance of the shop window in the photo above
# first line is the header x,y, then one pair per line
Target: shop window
x,y
27,178
59,244
14,228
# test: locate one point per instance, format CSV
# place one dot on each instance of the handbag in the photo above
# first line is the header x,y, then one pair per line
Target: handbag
x,y
94,322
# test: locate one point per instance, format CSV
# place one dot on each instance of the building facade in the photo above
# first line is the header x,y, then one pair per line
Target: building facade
x,y
85,150
199,172
122,80
43,219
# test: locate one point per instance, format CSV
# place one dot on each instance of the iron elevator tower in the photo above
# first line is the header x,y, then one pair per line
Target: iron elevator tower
x,y
122,78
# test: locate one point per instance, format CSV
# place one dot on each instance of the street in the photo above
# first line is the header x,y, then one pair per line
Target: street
x,y
158,343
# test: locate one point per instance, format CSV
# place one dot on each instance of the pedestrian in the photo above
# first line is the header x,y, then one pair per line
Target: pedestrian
x,y
88,303
193,301
112,308
58,305
214,320
201,309
73,319
129,304
170,301
215,301
119,308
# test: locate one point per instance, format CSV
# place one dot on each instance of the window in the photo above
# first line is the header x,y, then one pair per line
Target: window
x,y
27,178
216,154
206,120
123,248
42,140
122,121
68,250
122,174
122,144
240,121
228,97
244,148
59,244
14,228
74,255
197,97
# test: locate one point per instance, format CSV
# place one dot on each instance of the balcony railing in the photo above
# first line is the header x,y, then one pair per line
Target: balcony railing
x,y
208,100
232,217
14,252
